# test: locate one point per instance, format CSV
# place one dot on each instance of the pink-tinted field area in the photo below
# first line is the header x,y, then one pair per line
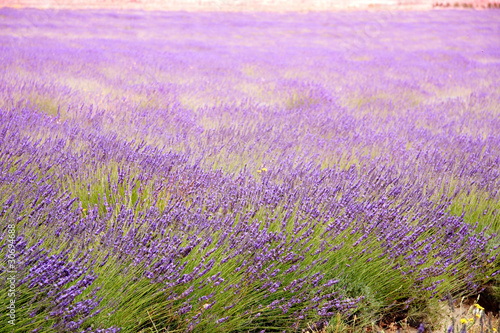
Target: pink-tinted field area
x,y
258,172
252,5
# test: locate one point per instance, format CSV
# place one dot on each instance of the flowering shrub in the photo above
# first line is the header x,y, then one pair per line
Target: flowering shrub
x,y
237,172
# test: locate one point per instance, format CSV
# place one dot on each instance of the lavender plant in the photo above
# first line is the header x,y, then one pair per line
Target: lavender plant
x,y
231,172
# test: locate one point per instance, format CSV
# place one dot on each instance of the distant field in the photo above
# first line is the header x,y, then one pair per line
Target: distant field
x,y
231,172
250,5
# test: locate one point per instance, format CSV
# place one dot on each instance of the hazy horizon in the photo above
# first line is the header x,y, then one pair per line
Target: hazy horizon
x,y
240,5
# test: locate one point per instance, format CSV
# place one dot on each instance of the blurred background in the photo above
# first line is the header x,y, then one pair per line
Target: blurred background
x,y
252,5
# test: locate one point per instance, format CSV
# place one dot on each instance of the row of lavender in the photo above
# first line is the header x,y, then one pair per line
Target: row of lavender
x,y
159,179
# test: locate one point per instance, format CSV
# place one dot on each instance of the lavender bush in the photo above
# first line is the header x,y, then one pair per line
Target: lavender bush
x,y
223,172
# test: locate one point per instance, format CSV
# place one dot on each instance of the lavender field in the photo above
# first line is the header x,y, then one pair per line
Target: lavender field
x,y
259,172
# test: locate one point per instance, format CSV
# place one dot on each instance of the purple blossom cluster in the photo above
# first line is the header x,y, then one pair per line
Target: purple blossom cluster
x,y
202,181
